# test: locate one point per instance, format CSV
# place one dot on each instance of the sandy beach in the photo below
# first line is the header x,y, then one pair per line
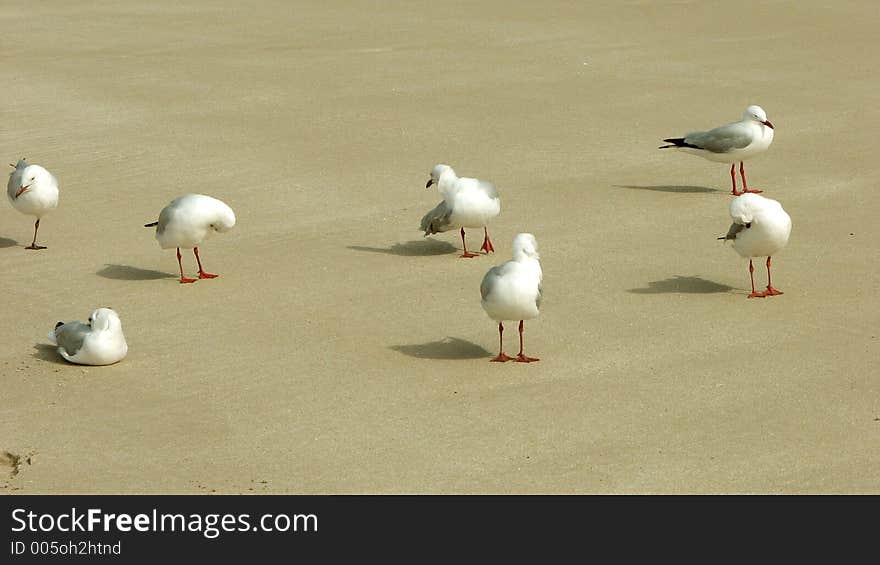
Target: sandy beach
x,y
340,351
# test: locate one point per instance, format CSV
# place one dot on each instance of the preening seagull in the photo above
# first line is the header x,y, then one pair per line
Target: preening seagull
x,y
187,221
760,228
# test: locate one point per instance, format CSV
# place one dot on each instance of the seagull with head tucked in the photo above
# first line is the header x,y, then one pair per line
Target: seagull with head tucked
x,y
33,191
467,203
513,291
99,342
731,143
187,221
760,228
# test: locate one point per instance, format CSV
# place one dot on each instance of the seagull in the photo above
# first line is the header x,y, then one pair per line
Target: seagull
x,y
32,190
731,143
99,342
760,228
467,203
513,291
186,221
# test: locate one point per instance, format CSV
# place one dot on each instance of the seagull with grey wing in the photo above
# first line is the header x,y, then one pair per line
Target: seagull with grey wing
x,y
467,203
513,291
98,342
731,143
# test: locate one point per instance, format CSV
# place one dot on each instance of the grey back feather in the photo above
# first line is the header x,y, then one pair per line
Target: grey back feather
x,y
71,336
164,218
437,220
489,280
723,139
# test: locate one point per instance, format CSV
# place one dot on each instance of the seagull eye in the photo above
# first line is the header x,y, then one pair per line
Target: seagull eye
x,y
748,225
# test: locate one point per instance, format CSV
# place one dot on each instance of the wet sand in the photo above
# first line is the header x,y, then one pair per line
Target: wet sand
x,y
340,351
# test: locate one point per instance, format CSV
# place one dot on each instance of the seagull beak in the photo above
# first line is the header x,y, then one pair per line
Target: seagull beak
x,y
430,182
22,189
768,124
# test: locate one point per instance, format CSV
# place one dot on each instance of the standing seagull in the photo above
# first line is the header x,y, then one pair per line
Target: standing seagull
x,y
760,228
731,143
513,291
100,342
32,190
189,219
467,203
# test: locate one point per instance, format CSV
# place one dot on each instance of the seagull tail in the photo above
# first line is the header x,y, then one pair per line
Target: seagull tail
x,y
151,225
677,142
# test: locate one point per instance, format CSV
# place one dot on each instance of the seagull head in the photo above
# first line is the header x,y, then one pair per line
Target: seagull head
x,y
436,173
525,246
757,114
104,319
223,217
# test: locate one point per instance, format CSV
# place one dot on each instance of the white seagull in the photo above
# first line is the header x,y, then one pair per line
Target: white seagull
x,y
99,342
32,190
731,143
188,220
513,291
760,229
467,203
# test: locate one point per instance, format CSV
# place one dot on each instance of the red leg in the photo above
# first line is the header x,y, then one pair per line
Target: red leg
x,y
752,276
202,273
183,279
733,179
501,356
33,244
770,290
522,358
487,243
742,172
466,253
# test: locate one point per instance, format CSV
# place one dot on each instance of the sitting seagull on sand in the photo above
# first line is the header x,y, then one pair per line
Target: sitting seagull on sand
x,y
33,191
188,220
731,143
467,203
513,291
760,229
99,342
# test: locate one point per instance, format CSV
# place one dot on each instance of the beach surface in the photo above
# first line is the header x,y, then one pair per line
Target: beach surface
x,y
340,351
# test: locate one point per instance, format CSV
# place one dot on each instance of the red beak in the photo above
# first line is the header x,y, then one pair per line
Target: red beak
x,y
768,124
22,189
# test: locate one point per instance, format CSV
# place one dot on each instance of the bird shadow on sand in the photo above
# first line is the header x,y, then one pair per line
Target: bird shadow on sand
x,y
687,285
681,189
6,242
415,248
48,352
447,348
128,273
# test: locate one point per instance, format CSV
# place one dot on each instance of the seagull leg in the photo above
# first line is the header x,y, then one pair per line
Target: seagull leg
x,y
487,243
770,290
183,279
733,179
501,356
466,254
33,244
742,172
202,273
522,358
752,276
